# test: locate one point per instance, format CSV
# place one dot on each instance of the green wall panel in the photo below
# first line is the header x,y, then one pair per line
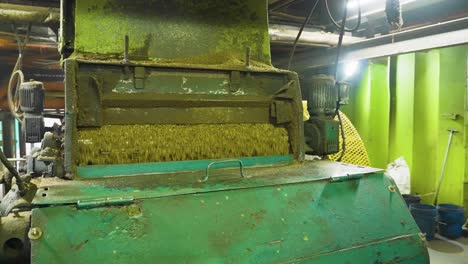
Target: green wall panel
x,y
370,112
379,116
404,109
425,169
451,102
362,97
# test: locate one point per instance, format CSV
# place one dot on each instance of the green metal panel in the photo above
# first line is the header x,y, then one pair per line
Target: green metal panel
x,y
465,197
53,191
452,90
175,166
466,138
361,101
309,221
426,121
427,92
379,107
370,112
402,109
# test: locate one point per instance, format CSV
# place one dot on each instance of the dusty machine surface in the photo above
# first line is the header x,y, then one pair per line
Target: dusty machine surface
x,y
182,144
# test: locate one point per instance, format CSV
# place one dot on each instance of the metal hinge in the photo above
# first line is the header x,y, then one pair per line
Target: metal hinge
x,y
114,201
346,178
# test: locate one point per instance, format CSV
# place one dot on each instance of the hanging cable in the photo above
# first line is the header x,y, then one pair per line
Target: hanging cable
x,y
14,108
299,34
342,24
343,136
337,61
338,47
21,45
17,71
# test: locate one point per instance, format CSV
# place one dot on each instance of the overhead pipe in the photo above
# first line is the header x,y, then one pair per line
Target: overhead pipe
x,y
29,14
281,4
445,34
281,34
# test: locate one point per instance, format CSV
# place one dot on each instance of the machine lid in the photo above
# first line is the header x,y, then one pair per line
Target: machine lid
x,y
55,191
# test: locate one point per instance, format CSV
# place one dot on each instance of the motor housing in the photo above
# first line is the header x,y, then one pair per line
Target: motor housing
x,y
31,100
321,131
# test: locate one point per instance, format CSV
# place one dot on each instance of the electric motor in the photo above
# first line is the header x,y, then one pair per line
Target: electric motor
x,y
322,95
33,128
31,97
31,100
321,130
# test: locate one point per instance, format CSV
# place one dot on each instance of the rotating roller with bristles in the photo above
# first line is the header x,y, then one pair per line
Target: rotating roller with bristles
x,y
126,144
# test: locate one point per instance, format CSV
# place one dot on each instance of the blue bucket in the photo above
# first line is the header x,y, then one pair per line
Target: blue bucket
x,y
411,199
425,216
451,220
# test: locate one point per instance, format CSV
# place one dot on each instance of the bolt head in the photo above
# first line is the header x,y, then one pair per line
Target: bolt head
x,y
34,233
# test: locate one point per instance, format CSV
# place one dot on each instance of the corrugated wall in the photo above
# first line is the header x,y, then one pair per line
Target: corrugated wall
x,y
404,106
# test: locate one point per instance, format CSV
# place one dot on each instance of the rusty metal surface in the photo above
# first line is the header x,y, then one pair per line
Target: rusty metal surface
x,y
184,31
109,94
14,237
354,221
318,212
56,191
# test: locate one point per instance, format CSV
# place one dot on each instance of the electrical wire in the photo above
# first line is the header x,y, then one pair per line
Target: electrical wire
x,y
343,136
15,110
21,45
299,34
337,61
338,49
342,24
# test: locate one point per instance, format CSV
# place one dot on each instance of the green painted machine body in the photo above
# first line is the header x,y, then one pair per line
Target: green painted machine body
x,y
312,212
259,209
184,64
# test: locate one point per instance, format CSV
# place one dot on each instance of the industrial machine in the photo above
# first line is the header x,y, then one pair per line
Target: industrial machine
x,y
321,130
182,144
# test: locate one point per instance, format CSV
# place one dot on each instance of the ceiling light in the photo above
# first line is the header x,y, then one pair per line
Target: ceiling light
x,y
350,68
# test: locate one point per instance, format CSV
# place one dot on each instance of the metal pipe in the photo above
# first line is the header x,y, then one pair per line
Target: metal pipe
x,y
247,58
287,34
54,94
442,171
126,58
287,17
33,14
12,170
439,35
281,4
13,35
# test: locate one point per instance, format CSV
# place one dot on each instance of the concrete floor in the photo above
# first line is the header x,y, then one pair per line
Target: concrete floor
x,y
444,251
